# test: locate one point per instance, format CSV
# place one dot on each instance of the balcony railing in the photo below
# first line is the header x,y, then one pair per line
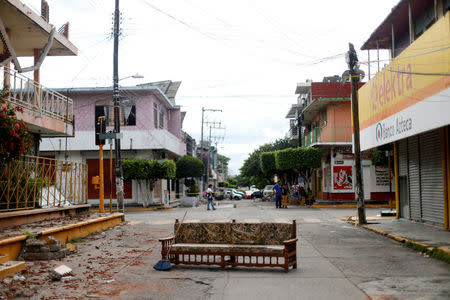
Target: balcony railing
x,y
34,182
328,134
31,95
293,133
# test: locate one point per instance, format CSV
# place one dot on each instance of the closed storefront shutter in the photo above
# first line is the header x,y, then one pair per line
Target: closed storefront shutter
x,y
402,158
402,152
415,209
431,178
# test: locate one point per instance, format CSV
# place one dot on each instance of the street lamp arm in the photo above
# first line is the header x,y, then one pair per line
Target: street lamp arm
x,y
132,76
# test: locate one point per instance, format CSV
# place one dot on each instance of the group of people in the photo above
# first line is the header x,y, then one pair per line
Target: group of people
x,y
297,191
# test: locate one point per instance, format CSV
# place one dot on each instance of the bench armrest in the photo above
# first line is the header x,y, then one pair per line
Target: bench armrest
x,y
167,238
290,241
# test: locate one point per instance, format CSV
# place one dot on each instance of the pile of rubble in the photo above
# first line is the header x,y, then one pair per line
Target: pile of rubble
x,y
41,250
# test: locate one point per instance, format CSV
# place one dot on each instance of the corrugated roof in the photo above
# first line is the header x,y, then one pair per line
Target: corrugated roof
x,y
400,18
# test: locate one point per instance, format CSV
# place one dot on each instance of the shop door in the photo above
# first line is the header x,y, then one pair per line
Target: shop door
x,y
93,170
403,197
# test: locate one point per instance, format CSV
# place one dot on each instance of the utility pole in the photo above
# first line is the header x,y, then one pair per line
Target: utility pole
x,y
101,205
212,126
118,167
206,170
353,64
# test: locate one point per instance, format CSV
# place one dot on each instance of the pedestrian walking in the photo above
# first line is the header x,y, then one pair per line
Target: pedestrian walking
x,y
284,195
277,191
210,197
295,193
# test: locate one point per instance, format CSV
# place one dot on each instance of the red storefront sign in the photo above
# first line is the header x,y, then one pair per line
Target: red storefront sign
x,y
342,177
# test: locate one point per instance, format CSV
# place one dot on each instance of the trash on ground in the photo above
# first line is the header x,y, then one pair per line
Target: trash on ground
x,y
60,271
19,277
67,278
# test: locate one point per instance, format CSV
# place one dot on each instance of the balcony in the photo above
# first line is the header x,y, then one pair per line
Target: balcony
x,y
46,112
328,135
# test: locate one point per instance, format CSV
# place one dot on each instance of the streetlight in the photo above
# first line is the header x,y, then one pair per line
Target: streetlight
x,y
133,76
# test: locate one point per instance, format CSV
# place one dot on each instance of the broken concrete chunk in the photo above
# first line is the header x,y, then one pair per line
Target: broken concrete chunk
x,y
60,271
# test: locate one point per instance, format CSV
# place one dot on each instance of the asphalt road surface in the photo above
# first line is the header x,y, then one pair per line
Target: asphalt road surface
x,y
336,260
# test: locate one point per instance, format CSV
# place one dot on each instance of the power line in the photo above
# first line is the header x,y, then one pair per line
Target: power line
x,y
418,73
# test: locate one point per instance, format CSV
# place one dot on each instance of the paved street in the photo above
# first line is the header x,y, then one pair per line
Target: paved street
x,y
336,261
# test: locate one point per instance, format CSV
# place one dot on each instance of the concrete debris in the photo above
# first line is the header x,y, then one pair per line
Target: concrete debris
x,y
59,272
19,277
41,250
67,278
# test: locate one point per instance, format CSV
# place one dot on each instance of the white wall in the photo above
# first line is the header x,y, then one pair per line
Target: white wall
x,y
132,140
375,179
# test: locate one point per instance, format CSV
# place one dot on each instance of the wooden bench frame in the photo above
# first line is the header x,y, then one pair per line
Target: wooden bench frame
x,y
227,258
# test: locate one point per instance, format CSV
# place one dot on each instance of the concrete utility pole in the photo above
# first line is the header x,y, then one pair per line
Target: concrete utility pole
x,y
206,170
118,167
212,126
352,61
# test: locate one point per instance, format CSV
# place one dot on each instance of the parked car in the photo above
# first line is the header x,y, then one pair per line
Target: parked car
x,y
268,192
248,194
257,194
219,195
233,195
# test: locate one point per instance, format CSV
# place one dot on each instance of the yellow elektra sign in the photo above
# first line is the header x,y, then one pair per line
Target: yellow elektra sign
x,y
417,74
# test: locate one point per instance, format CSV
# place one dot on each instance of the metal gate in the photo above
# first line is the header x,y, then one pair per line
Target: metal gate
x,y
415,203
402,152
431,186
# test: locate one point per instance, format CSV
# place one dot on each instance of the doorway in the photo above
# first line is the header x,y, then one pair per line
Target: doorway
x,y
403,197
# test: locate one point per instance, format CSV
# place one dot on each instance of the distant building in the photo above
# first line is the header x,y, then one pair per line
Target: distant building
x,y
151,126
406,106
324,110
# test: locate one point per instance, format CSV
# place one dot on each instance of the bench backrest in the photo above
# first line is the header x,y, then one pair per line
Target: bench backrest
x,y
235,233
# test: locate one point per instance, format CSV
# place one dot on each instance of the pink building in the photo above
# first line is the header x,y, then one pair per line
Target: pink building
x,y
151,125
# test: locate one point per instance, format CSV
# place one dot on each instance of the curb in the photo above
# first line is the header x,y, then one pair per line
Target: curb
x,y
13,245
404,240
95,210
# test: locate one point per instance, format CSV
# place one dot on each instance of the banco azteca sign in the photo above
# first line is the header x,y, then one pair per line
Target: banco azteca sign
x,y
390,129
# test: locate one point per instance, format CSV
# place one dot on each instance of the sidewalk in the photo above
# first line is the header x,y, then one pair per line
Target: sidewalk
x,y
419,236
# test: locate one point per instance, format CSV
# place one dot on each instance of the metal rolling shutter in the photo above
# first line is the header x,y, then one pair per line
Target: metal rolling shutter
x,y
415,209
431,178
402,158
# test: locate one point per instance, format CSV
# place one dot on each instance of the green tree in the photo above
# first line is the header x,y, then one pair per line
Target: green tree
x,y
149,170
232,182
189,167
267,162
252,165
223,163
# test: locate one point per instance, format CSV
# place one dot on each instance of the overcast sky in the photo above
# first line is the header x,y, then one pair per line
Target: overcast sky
x,y
244,57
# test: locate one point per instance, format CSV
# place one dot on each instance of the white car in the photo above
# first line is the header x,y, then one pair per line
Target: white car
x,y
233,195
268,191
